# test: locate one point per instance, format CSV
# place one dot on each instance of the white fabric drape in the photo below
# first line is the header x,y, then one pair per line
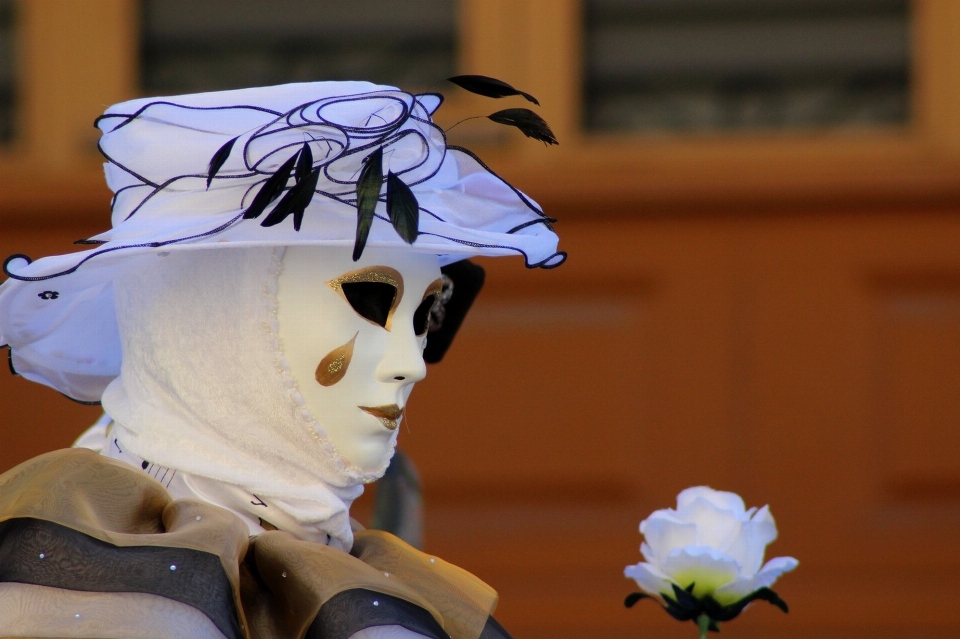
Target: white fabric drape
x,y
205,389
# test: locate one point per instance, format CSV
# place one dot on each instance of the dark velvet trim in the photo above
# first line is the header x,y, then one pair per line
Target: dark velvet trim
x,y
42,553
493,630
350,611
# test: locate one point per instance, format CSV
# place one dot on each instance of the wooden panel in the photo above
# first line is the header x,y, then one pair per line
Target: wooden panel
x,y
919,340
791,358
760,371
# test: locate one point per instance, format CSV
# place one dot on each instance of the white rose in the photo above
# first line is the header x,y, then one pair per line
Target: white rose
x,y
710,541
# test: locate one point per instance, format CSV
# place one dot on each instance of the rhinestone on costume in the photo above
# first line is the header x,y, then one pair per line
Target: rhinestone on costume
x,y
386,574
76,616
42,555
173,566
433,560
283,574
199,517
376,603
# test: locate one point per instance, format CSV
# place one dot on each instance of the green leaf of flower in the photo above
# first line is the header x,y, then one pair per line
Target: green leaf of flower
x,y
685,598
634,597
676,610
726,613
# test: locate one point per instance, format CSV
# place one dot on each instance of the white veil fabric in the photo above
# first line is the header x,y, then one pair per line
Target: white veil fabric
x,y
205,389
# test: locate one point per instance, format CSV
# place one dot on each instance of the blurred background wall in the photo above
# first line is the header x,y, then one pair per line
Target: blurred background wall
x,y
761,202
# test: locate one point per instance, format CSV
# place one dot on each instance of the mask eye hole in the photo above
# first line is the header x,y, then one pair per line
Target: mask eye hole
x,y
371,300
421,316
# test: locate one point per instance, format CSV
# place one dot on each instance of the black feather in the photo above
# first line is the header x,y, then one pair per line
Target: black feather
x,y
529,123
216,162
271,189
304,162
403,208
368,194
489,87
294,202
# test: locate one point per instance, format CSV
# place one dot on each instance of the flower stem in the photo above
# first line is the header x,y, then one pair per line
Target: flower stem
x,y
703,622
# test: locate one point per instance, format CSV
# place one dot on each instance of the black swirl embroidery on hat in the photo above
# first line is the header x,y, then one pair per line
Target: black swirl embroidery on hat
x,y
48,295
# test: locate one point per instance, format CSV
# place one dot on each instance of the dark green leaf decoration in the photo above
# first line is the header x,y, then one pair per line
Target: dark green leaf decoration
x,y
403,208
368,194
271,189
304,162
218,159
489,87
294,202
529,123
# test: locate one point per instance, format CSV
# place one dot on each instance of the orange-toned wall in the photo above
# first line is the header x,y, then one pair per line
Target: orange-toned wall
x,y
806,360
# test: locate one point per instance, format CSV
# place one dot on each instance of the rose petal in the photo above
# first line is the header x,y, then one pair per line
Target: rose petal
x,y
740,588
719,498
735,590
716,527
705,567
749,547
664,534
772,570
650,580
648,553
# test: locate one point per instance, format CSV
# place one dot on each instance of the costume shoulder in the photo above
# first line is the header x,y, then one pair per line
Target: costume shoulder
x,y
89,547
302,589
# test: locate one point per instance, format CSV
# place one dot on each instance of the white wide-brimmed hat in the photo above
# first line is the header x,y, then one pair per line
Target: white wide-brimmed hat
x,y
282,166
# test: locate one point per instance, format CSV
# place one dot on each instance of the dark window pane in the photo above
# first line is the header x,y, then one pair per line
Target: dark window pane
x,y
206,45
659,66
8,70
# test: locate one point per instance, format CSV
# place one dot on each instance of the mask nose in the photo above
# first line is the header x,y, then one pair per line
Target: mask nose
x,y
402,359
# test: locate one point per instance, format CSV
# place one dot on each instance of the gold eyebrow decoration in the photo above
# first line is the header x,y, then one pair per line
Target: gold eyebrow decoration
x,y
381,274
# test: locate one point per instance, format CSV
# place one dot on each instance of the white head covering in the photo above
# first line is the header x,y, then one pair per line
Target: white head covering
x,y
205,388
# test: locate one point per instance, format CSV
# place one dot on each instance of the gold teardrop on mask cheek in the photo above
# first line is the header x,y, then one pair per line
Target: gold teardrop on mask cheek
x,y
333,366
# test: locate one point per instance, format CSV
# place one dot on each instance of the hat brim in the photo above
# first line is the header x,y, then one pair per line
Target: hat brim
x,y
57,313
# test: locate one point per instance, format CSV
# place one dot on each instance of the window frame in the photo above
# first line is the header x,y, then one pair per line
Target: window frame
x,y
80,57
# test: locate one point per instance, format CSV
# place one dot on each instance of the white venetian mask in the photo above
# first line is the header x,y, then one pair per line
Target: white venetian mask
x,y
353,334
